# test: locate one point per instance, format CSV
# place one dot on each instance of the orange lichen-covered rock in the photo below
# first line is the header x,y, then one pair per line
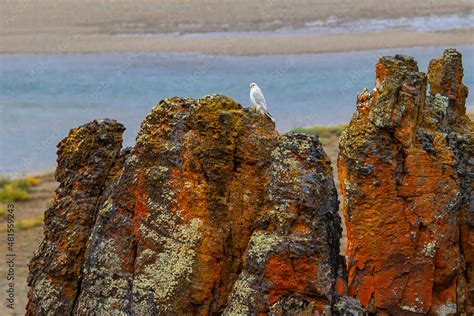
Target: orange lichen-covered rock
x,y
87,161
445,78
404,183
188,213
170,235
291,262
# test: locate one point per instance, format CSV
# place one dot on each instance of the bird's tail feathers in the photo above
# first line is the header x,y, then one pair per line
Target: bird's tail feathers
x,y
269,116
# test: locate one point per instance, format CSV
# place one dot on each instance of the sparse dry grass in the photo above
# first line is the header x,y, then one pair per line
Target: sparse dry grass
x,y
3,212
13,193
26,224
33,181
28,230
17,189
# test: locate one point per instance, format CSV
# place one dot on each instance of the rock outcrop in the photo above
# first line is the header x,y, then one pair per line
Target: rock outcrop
x,y
87,159
405,171
213,212
291,262
210,212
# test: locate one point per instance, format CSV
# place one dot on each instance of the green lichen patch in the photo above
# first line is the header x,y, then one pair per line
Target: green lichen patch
x,y
163,272
261,246
243,296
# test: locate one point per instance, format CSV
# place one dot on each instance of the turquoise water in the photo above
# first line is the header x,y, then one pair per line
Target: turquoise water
x,y
43,96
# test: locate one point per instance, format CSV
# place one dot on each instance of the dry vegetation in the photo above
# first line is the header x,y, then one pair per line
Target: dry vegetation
x,y
31,197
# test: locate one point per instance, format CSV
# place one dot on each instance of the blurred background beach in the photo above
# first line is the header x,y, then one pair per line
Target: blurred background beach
x,y
64,63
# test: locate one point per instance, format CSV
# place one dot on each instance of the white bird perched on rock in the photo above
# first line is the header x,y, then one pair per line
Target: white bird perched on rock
x,y
258,100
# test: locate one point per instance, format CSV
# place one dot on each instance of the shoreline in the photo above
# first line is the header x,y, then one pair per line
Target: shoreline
x,y
252,45
220,27
210,55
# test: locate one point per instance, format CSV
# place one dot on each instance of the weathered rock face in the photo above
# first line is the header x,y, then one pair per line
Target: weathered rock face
x,y
210,212
445,78
213,212
292,258
87,158
405,170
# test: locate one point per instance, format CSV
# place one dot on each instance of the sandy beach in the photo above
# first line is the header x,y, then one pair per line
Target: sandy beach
x,y
51,26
